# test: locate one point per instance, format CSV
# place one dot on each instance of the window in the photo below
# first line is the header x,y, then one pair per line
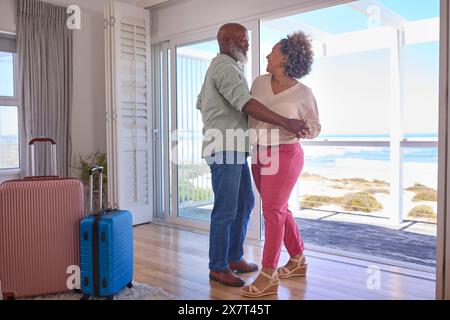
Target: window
x,y
162,168
7,74
9,111
195,196
184,192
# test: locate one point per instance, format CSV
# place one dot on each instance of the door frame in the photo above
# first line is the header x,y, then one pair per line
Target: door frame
x,y
443,221
170,114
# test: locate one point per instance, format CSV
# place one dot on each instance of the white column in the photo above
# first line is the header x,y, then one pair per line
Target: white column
x,y
294,200
396,117
256,219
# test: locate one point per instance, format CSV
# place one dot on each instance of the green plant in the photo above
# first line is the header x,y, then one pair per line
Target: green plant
x,y
83,165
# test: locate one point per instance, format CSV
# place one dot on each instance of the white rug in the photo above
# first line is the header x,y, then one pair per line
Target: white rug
x,y
138,292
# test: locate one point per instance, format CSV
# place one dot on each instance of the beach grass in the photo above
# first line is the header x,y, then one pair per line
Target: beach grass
x,y
191,171
358,201
423,212
422,193
426,195
361,181
417,187
374,190
188,192
357,195
314,201
381,182
311,176
361,201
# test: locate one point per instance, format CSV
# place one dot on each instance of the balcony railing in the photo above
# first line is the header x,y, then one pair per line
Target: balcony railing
x,y
343,187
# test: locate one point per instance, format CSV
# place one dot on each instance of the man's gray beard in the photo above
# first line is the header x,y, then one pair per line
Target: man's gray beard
x,y
239,55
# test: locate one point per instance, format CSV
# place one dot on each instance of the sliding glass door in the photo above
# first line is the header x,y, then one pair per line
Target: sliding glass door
x,y
369,184
187,191
195,196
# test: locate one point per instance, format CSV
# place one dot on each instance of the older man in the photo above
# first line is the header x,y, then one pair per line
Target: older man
x,y
225,102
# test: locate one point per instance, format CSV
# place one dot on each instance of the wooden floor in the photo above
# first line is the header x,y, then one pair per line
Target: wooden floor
x,y
177,261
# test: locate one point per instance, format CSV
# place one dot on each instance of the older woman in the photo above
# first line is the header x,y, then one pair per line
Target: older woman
x,y
278,157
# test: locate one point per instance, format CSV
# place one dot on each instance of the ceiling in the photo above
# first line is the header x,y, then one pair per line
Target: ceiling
x,y
98,5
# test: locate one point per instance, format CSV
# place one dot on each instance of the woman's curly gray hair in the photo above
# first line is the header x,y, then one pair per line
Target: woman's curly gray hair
x,y
297,48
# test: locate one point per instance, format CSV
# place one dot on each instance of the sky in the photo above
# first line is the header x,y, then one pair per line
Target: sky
x,y
342,18
8,115
6,74
413,9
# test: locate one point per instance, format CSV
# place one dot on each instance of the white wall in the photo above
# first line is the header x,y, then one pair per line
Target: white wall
x,y
7,16
88,109
191,15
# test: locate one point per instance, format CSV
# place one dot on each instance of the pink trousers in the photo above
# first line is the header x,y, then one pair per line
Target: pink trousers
x,y
275,172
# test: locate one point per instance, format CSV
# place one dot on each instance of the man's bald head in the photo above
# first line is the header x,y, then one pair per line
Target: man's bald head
x,y
230,30
233,41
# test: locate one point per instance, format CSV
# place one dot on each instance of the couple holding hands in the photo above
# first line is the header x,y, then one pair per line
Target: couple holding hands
x,y
279,110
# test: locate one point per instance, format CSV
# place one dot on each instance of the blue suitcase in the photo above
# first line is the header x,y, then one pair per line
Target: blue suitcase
x,y
106,248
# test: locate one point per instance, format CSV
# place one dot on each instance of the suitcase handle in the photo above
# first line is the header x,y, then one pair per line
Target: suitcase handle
x,y
41,139
92,170
33,162
42,178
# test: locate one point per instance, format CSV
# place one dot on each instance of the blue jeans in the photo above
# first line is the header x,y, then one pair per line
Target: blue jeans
x,y
233,204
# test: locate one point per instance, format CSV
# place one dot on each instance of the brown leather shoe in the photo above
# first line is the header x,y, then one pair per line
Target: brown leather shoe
x,y
243,266
226,278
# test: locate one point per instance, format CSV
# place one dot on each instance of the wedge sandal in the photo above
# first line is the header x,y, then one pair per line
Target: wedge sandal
x,y
252,291
298,271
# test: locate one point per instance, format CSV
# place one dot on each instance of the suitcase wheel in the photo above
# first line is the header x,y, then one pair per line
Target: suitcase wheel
x,y
130,285
9,296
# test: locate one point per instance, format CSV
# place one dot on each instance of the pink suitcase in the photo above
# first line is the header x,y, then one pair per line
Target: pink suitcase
x,y
39,232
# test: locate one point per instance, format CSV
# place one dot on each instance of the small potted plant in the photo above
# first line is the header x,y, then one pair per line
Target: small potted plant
x,y
83,165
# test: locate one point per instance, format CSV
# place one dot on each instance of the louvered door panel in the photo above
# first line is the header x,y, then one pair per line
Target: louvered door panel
x,y
131,111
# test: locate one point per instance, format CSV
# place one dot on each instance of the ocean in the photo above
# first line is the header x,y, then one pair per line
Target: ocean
x,y
327,156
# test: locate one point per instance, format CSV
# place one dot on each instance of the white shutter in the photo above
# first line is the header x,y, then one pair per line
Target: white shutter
x,y
129,123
